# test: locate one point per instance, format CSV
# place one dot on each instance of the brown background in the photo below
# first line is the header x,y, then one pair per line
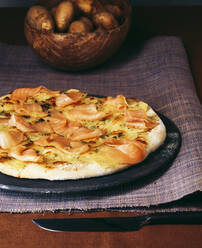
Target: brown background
x,y
17,230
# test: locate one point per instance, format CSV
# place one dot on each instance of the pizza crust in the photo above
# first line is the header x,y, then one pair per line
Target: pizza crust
x,y
63,172
157,135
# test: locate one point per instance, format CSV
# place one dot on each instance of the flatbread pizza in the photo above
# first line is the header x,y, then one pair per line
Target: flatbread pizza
x,y
55,135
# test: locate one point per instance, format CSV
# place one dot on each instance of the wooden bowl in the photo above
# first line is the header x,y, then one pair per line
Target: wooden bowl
x,y
79,51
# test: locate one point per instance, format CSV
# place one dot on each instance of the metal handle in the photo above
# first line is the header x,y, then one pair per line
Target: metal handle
x,y
184,218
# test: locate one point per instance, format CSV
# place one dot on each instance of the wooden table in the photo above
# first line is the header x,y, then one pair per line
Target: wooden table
x,y
17,230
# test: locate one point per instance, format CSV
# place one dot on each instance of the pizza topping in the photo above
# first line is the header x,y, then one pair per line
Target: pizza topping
x,y
4,114
68,98
43,127
79,147
59,142
63,144
135,115
63,100
10,139
86,112
4,158
138,119
43,141
20,124
72,129
52,128
23,94
29,109
23,153
86,134
58,123
129,152
45,106
119,102
4,121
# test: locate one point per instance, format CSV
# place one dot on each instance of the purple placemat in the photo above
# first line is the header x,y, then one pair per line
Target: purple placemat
x,y
156,72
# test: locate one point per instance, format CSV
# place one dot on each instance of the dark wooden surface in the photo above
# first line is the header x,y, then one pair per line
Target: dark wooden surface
x,y
17,230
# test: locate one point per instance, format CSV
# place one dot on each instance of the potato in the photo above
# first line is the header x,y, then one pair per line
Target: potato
x,y
39,18
89,7
88,22
64,14
114,10
79,27
105,20
85,5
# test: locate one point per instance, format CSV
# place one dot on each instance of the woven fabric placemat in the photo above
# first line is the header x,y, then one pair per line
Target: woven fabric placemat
x,y
156,72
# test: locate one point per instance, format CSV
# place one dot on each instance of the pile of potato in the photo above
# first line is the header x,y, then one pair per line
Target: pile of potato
x,y
75,16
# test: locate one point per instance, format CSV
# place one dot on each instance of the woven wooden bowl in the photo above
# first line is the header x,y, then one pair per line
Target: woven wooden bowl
x,y
79,51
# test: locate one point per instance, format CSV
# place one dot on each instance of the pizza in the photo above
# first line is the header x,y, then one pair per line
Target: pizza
x,y
55,135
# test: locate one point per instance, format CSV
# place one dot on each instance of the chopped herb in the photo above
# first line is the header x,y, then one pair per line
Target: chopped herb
x,y
4,113
26,116
52,101
45,106
6,98
4,158
29,143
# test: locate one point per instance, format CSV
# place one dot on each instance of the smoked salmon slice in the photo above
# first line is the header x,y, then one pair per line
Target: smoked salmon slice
x,y
58,123
61,125
63,144
127,151
58,142
22,94
69,146
42,127
68,98
43,141
23,154
20,124
79,147
119,102
10,139
138,119
135,115
72,129
86,112
86,134
29,109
